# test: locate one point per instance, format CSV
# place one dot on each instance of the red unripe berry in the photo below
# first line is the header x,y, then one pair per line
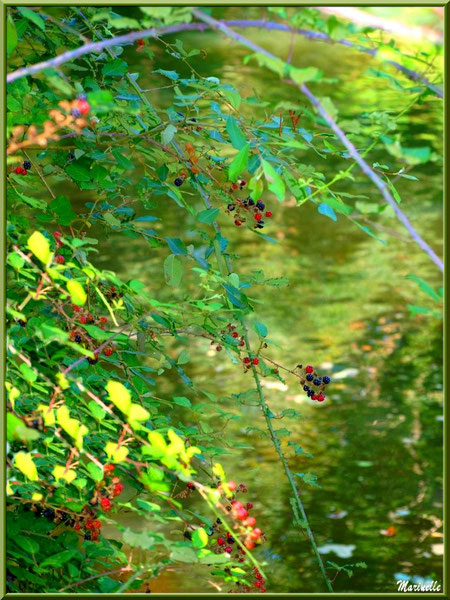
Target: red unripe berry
x,y
234,186
97,524
238,223
235,334
268,213
57,234
140,42
247,360
314,397
103,319
232,486
220,541
249,505
309,369
76,308
241,514
229,549
89,525
249,544
94,536
257,584
106,504
108,469
258,216
191,486
321,397
90,317
255,361
83,319
256,533
118,489
72,335
250,522
77,527
262,590
83,107
18,170
108,351
259,576
60,259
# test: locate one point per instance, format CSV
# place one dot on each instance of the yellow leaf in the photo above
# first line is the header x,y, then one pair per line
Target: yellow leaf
x,y
119,396
39,246
70,426
9,490
48,415
25,464
138,413
158,442
177,445
37,496
59,472
77,293
13,393
115,454
82,431
62,381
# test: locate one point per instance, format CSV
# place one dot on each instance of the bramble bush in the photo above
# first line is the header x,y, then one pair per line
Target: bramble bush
x,y
86,425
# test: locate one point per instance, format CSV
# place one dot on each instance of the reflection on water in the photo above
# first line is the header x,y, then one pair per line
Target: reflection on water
x,y
376,443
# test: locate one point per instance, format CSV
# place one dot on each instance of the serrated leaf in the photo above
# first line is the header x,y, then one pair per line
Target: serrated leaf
x,y
40,247
239,163
115,68
78,172
173,270
182,401
24,462
119,395
77,294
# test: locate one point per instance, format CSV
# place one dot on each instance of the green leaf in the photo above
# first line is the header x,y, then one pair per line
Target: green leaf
x,y
121,159
274,181
119,395
208,215
236,136
167,134
173,270
62,207
95,472
260,329
176,246
11,35
173,75
40,247
303,75
239,163
182,401
59,559
325,209
199,538
186,555
236,297
78,172
32,16
77,294
26,543
115,68
425,287
183,358
101,98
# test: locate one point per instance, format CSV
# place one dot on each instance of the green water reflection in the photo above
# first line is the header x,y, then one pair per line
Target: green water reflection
x,y
377,442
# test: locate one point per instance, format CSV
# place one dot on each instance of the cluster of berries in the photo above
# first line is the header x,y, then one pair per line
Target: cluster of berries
x,y
26,166
240,185
248,361
254,208
231,330
79,335
81,107
309,376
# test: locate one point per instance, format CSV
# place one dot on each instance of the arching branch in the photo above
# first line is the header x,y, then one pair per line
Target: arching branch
x,y
130,38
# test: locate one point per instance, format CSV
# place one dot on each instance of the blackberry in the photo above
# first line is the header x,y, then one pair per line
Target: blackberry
x,y
26,165
317,381
178,181
64,517
260,205
231,207
76,113
187,535
87,536
48,513
309,377
71,155
81,97
35,424
231,540
251,202
326,380
260,225
310,393
218,521
92,361
21,322
78,338
306,388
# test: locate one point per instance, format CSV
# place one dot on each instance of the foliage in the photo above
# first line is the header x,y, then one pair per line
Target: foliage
x,y
86,348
